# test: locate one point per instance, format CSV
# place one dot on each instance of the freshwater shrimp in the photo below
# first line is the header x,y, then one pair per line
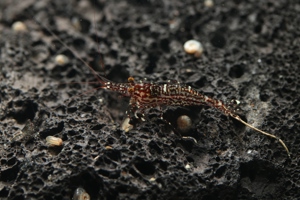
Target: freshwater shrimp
x,y
149,95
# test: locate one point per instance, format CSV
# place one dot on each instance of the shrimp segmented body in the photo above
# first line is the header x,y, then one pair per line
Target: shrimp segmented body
x,y
150,95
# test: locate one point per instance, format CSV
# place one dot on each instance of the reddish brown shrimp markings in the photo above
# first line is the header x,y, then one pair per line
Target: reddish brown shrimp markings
x,y
149,95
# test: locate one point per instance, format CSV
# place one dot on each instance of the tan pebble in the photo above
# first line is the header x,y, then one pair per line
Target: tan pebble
x,y
184,123
108,147
19,27
54,141
209,3
126,126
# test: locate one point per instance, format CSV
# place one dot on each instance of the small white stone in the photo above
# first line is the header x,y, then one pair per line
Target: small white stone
x,y
61,59
193,47
19,27
209,3
152,179
187,166
101,100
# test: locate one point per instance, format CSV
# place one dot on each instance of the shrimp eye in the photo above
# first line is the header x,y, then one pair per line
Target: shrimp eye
x,y
131,79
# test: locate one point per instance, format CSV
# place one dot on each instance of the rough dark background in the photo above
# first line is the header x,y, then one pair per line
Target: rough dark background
x,y
251,54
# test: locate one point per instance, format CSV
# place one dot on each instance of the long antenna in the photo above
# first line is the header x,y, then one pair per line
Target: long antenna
x,y
97,40
265,133
227,111
70,49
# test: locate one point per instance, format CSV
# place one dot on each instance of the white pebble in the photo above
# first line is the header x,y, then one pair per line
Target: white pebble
x,y
187,166
152,179
193,47
61,59
101,100
209,3
19,27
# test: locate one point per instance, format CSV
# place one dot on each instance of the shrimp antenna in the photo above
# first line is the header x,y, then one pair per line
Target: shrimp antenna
x,y
265,133
70,49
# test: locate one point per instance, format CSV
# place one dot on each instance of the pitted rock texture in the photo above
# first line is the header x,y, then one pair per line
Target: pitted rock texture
x,y
251,53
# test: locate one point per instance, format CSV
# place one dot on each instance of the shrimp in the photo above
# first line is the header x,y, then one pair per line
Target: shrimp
x,y
149,95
